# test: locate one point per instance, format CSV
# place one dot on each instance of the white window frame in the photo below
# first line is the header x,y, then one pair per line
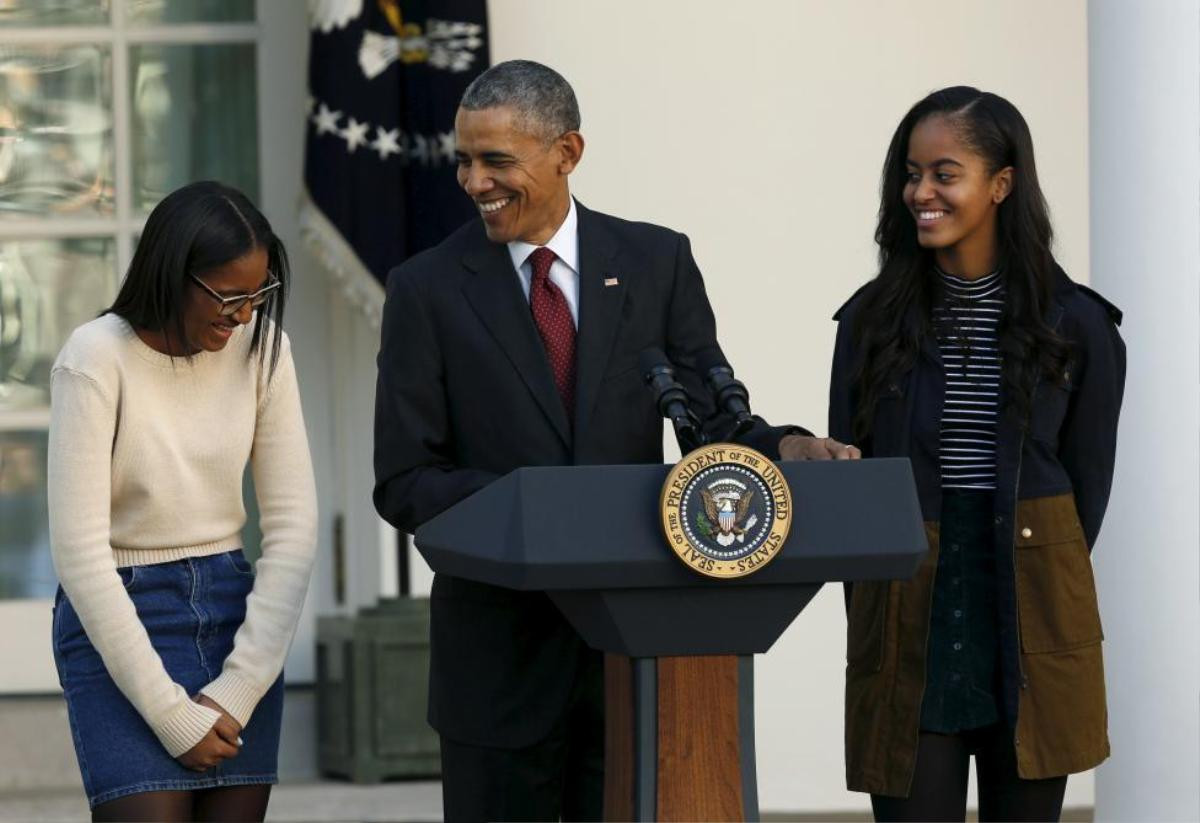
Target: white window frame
x,y
25,623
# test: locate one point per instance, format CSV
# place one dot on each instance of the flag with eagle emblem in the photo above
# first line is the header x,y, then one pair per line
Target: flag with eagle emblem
x,y
384,80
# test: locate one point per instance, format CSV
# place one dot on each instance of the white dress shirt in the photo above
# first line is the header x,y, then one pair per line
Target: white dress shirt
x,y
564,271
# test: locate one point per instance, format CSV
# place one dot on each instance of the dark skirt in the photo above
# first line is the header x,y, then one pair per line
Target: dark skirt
x,y
191,609
962,665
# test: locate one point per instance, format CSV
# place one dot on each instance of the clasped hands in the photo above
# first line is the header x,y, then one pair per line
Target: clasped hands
x,y
221,743
802,447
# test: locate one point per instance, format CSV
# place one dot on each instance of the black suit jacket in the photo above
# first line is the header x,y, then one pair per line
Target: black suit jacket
x,y
466,394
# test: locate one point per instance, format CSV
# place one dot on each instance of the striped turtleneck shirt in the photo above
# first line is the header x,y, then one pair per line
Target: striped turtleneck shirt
x,y
966,320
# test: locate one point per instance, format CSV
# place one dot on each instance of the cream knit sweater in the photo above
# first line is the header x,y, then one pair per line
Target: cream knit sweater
x,y
146,457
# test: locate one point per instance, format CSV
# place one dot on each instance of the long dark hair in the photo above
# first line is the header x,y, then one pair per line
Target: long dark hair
x,y
897,305
193,230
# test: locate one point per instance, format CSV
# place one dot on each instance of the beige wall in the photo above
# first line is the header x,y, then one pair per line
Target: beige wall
x,y
759,128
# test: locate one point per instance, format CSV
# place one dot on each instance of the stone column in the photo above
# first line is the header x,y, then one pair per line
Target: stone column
x,y
1144,89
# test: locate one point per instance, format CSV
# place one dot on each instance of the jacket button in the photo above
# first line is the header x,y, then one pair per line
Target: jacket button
x,y
999,520
1027,532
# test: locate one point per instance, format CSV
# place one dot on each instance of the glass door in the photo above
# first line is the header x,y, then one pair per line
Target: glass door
x,y
105,106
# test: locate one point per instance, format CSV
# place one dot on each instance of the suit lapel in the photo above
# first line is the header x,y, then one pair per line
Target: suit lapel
x,y
495,295
599,310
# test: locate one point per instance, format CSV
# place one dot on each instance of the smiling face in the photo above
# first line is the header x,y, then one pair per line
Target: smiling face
x,y
206,329
954,198
517,180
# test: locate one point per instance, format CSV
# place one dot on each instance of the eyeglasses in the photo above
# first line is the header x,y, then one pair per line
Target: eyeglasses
x,y
232,305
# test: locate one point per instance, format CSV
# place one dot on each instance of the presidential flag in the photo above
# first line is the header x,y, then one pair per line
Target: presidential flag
x,y
384,79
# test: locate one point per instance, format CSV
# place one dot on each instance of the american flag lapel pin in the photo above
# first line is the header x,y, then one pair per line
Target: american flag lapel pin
x,y
611,281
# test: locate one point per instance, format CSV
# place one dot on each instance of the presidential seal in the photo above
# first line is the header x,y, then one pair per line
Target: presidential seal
x,y
726,510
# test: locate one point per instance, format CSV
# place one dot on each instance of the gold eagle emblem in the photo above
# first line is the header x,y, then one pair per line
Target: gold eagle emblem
x,y
729,514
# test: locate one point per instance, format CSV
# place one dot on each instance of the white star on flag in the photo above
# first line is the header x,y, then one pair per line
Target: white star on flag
x,y
446,146
387,141
420,148
327,120
355,134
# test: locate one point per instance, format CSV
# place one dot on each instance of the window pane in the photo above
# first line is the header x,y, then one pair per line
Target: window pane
x,y
25,567
47,288
56,144
53,12
195,118
156,12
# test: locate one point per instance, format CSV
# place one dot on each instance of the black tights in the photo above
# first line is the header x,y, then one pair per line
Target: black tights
x,y
229,803
939,787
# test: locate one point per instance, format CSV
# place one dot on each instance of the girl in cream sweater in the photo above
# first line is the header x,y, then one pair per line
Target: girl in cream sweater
x,y
169,646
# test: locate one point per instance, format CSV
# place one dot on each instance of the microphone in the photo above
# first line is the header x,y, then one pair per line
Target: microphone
x,y
670,398
730,394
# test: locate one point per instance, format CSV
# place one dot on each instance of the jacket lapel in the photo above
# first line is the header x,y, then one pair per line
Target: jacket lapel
x,y
495,295
599,310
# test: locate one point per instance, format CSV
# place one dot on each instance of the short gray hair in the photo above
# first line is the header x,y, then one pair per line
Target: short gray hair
x,y
543,100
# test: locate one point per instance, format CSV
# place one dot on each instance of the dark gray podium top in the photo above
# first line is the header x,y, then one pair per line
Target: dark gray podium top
x,y
598,527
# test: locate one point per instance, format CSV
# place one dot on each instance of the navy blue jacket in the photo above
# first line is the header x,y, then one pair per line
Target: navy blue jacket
x,y
1053,477
1069,445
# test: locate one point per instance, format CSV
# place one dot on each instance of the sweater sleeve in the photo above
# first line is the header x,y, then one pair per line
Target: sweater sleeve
x,y
287,500
79,480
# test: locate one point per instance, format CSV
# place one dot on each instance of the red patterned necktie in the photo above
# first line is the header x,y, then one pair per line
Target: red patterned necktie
x,y
555,325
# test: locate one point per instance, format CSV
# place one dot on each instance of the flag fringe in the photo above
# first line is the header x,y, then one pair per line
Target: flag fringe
x,y
359,287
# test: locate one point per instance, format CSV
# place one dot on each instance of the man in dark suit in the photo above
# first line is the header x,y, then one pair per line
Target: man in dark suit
x,y
515,343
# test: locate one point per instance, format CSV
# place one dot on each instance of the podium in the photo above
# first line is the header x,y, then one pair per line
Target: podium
x,y
679,673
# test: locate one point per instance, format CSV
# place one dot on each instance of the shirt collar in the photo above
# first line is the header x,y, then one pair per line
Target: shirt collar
x,y
564,243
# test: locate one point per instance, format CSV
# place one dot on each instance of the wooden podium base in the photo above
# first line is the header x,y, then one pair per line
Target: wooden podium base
x,y
679,738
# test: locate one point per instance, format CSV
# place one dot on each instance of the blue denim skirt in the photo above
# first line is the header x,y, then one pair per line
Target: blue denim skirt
x,y
191,609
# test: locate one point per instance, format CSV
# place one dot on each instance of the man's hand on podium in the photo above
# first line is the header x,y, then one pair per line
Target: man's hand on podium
x,y
799,447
